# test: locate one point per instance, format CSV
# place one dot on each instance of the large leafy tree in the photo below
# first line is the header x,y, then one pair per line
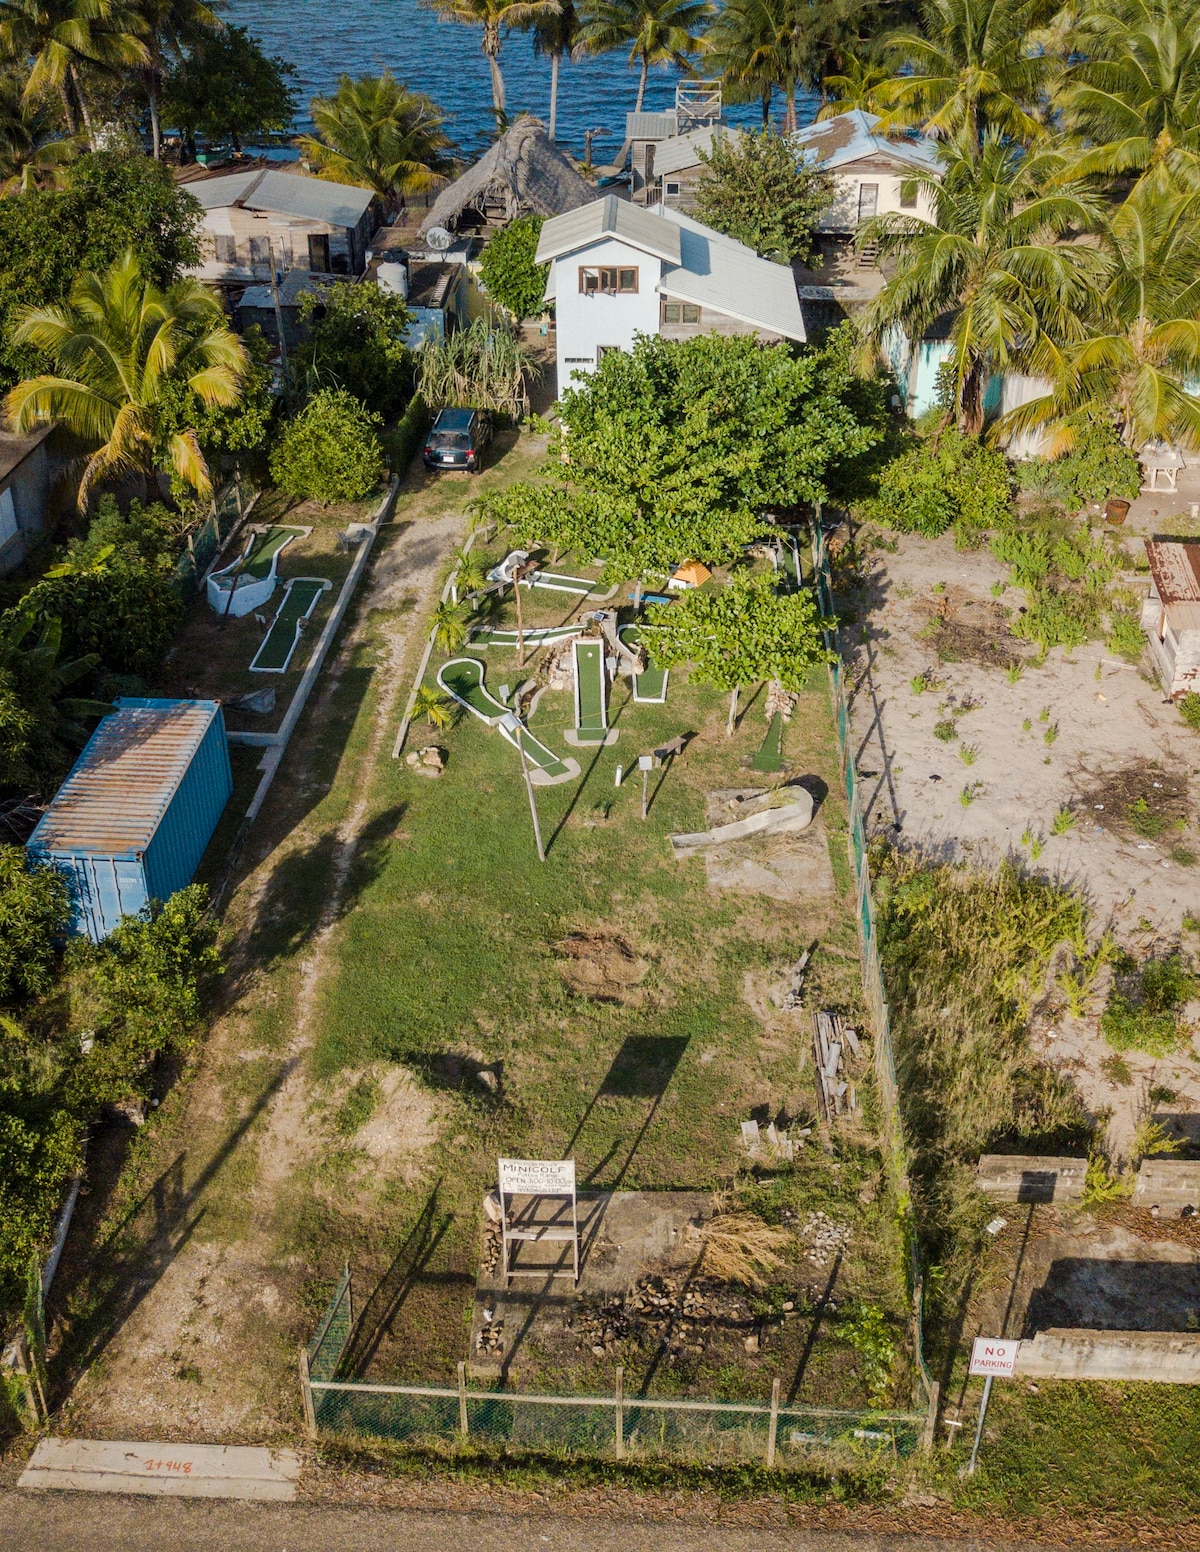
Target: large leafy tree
x,y
754,188
356,342
108,203
1142,341
330,452
1132,92
654,32
377,134
227,88
491,16
990,262
39,721
168,28
113,344
508,271
62,36
970,67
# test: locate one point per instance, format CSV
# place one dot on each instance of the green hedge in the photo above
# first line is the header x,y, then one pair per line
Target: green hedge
x,y
403,442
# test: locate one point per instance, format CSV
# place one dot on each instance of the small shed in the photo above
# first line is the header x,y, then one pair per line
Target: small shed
x,y
692,573
130,823
1171,614
524,173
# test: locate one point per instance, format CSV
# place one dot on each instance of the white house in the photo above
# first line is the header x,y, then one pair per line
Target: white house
x,y
307,223
1171,614
869,169
617,271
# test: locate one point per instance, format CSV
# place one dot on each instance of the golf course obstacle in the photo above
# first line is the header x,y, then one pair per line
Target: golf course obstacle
x,y
531,638
769,758
650,686
591,696
553,581
462,678
248,582
281,641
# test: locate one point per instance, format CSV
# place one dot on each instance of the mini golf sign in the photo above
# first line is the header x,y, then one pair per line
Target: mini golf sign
x,y
991,1356
538,1177
539,1182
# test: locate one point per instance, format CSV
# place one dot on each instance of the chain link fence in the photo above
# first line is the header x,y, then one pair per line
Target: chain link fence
x,y
229,507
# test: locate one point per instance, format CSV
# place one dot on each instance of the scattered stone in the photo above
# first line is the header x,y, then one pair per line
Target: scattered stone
x,y
430,761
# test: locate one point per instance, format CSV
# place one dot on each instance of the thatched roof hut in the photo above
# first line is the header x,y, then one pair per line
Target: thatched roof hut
x,y
523,173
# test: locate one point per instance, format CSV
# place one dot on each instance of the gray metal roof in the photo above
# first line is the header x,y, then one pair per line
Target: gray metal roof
x,y
683,150
850,136
650,126
608,217
719,273
123,782
285,194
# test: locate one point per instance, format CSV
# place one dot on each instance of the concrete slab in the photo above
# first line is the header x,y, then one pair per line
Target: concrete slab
x,y
184,1470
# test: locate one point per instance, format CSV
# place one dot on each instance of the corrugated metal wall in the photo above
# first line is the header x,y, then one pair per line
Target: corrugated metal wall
x,y
187,826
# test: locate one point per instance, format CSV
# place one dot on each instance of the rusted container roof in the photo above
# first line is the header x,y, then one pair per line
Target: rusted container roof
x,y
1175,567
123,782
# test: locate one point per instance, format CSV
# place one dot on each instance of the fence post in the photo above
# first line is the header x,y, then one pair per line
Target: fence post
x,y
620,1409
310,1415
773,1425
929,1432
463,1427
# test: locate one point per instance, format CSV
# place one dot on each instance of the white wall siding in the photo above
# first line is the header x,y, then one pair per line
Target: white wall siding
x,y
584,322
842,215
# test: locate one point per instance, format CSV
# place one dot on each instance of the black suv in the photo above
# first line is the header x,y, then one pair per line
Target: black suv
x,y
457,440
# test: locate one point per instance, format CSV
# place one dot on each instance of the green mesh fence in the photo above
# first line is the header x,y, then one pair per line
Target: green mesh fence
x,y
327,1346
204,543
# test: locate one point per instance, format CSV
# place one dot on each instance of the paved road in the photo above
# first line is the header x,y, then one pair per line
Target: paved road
x,y
77,1522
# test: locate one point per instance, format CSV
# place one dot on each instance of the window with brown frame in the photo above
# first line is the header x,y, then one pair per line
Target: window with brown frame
x,y
680,312
607,281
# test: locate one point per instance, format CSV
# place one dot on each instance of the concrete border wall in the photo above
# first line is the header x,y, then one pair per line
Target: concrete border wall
x,y
1015,1177
1170,1357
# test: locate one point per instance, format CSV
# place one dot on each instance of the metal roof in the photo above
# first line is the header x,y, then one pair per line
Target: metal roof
x,y
851,136
682,151
725,275
650,126
285,194
122,784
608,217
1175,567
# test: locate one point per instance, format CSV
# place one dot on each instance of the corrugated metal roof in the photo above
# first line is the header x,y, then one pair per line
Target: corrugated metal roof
x,y
1175,567
217,193
851,136
608,217
285,194
122,783
682,151
650,126
720,273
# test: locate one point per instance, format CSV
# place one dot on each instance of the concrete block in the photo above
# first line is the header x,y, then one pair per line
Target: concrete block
x,y
1016,1177
1170,1357
184,1470
1171,1185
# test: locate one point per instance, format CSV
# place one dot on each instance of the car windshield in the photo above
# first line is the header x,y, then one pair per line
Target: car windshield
x,y
451,441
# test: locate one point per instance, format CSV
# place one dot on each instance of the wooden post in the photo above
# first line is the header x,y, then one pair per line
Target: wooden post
x,y
463,1427
310,1415
929,1432
620,1435
773,1426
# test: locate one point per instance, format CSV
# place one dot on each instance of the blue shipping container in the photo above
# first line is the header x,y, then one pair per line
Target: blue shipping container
x,y
130,823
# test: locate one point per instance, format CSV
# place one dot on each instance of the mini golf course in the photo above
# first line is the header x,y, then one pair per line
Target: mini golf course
x,y
463,678
252,576
591,699
532,638
650,686
283,637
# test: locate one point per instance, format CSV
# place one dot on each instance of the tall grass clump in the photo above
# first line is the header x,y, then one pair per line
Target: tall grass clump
x,y
482,366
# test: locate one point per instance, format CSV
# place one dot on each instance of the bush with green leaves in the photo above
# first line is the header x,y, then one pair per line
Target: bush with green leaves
x,y
35,911
224,429
330,451
865,1328
509,274
1097,467
1189,710
948,481
757,189
355,341
1144,1007
40,725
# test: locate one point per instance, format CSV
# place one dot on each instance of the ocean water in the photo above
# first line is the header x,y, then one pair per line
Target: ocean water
x,y
445,60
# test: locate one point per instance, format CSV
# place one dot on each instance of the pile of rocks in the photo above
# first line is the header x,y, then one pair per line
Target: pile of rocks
x,y
492,1245
601,1327
490,1341
780,700
430,761
824,1239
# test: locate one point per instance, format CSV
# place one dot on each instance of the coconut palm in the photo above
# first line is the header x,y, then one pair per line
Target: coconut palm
x,y
988,260
117,344
1143,336
1134,95
656,32
449,627
556,35
59,36
32,153
168,28
376,134
492,15
857,86
971,67
438,709
754,46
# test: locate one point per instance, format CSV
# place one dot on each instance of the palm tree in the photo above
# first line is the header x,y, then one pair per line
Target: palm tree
x,y
59,36
438,709
656,32
988,260
377,134
31,152
556,35
1143,336
168,28
449,627
752,46
1134,95
470,572
116,344
971,67
492,15
858,86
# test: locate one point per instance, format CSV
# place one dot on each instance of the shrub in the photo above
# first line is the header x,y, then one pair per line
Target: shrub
x,y
330,452
508,272
1125,636
755,188
865,1328
1189,710
1143,1010
950,480
356,342
407,435
35,910
1096,468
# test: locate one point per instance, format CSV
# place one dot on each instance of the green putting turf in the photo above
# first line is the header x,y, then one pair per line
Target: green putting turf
x,y
280,642
770,757
462,677
591,721
652,684
533,638
536,752
263,549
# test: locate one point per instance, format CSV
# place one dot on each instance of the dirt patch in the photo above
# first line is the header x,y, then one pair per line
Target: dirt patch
x,y
1142,798
402,1119
604,967
961,629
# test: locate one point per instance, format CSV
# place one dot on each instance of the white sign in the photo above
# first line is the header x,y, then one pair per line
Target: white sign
x,y
995,1356
538,1177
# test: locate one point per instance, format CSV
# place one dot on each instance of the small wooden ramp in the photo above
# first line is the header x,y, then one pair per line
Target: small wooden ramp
x,y
177,1470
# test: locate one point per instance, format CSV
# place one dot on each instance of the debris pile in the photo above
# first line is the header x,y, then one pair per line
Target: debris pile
x,y
794,996
831,1040
490,1341
772,1142
493,1243
430,761
780,700
602,1327
824,1239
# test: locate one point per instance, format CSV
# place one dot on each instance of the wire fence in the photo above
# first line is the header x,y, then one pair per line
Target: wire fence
x,y
874,989
229,506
